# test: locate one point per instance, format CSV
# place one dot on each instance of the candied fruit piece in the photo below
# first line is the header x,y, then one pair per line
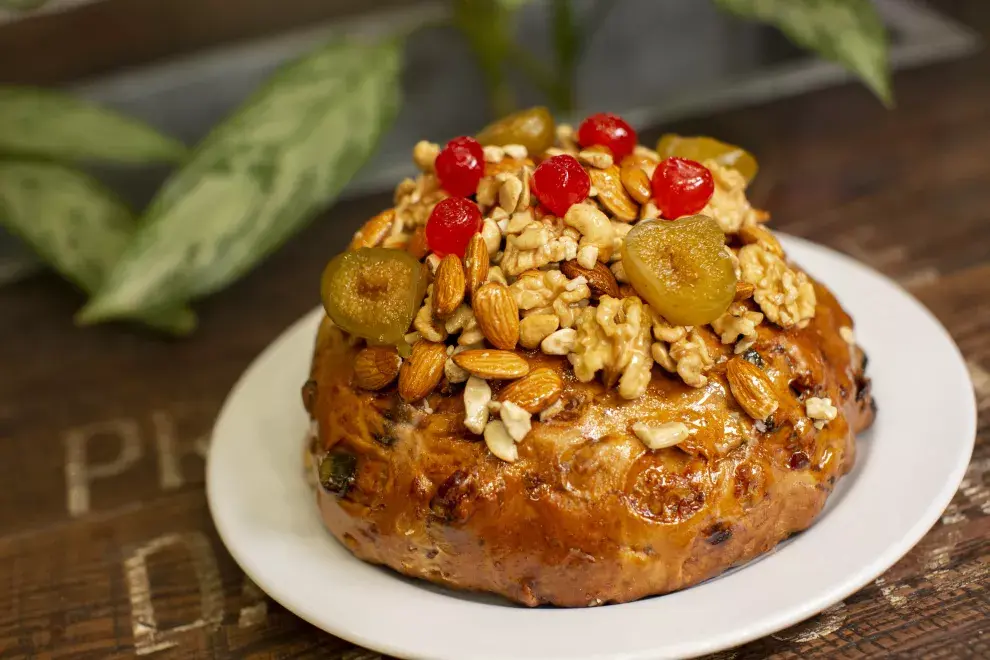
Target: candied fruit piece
x,y
533,128
610,131
681,187
681,268
451,225
703,148
460,166
374,293
560,182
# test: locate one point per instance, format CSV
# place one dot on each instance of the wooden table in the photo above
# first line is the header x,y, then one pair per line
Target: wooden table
x,y
106,545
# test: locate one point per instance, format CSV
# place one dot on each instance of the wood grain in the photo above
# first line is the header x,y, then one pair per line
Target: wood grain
x,y
107,35
905,191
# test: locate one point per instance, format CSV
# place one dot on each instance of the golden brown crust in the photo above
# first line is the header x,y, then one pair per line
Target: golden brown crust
x,y
588,514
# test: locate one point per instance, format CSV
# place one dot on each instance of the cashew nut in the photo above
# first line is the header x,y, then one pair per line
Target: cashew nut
x,y
594,226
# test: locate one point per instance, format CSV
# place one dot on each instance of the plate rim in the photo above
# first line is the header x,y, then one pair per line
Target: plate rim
x,y
853,582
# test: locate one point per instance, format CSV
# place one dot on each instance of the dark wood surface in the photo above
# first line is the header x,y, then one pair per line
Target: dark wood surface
x,y
101,36
106,545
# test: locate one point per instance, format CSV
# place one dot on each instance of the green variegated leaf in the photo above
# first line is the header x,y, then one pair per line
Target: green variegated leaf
x,y
258,178
849,32
513,5
75,225
48,124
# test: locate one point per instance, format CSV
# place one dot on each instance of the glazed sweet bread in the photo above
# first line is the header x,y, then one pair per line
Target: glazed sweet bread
x,y
577,393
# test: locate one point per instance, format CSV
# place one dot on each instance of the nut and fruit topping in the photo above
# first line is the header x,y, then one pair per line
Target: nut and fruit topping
x,y
452,223
460,166
374,293
610,131
702,148
681,187
533,128
560,182
608,254
681,268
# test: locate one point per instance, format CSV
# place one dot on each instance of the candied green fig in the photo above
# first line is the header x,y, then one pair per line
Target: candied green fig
x,y
705,148
374,293
681,268
532,128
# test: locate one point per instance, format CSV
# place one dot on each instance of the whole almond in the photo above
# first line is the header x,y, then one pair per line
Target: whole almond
x,y
374,231
376,366
448,286
634,179
476,260
744,290
535,392
601,281
754,233
422,371
497,315
612,193
492,364
751,388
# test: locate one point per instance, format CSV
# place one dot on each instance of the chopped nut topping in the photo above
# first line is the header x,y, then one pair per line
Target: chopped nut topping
x,y
487,191
464,322
555,409
500,443
595,228
661,436
847,334
646,153
517,421
598,159
820,410
509,192
494,154
429,327
728,204
738,321
649,211
515,151
664,331
541,243
565,136
495,275
620,229
425,155
787,297
477,394
492,235
692,358
533,253
414,200
619,271
560,342
550,292
615,337
535,328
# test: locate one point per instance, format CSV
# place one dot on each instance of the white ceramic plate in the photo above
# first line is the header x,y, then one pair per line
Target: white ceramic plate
x,y
908,467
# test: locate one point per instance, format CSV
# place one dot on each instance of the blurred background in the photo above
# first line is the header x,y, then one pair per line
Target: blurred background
x,y
182,66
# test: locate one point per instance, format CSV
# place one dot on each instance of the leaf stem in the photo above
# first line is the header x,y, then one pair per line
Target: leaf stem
x,y
485,25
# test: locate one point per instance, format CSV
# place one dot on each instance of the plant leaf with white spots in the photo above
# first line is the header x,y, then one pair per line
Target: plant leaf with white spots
x,y
49,124
849,32
75,225
258,178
